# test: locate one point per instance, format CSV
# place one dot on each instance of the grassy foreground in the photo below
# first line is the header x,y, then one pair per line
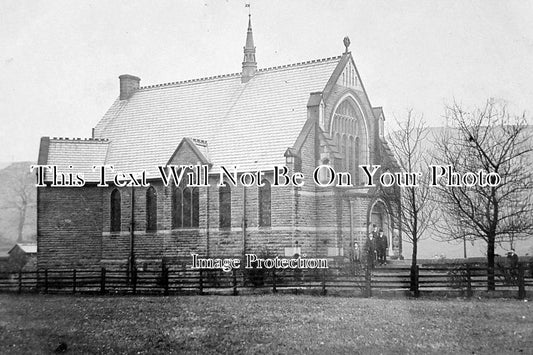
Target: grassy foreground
x,y
262,324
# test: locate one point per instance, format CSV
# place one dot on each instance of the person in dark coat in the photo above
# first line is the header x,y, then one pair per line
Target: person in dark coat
x,y
370,247
381,245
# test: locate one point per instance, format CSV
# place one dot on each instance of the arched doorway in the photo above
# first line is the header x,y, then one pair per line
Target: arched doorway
x,y
379,214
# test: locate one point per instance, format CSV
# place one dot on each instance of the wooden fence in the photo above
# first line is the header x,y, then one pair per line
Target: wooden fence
x,y
354,279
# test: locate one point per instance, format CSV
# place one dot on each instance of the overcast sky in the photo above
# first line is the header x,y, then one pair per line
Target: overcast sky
x,y
60,60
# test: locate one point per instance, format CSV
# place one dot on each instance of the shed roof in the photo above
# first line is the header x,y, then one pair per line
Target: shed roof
x,y
28,248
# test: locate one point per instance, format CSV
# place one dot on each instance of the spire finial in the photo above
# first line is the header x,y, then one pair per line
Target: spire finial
x,y
346,42
249,65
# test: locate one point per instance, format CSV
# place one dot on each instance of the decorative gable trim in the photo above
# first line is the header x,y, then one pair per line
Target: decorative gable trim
x,y
336,74
188,142
339,69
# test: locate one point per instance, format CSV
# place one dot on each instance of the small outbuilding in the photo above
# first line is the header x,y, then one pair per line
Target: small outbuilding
x,y
22,254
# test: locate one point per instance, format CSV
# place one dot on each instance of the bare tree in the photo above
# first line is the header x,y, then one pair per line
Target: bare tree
x,y
19,193
487,140
410,150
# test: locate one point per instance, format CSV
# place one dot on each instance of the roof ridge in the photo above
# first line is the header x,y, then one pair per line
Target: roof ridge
x,y
223,76
77,139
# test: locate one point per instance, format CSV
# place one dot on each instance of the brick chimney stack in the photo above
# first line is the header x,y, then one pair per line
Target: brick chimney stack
x,y
128,85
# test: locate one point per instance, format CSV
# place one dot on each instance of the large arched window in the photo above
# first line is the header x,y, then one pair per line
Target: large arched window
x,y
344,152
115,211
224,206
265,208
349,133
356,152
185,207
350,156
151,209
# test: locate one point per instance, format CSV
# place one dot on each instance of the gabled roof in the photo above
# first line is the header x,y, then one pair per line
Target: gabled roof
x,y
199,149
249,125
28,248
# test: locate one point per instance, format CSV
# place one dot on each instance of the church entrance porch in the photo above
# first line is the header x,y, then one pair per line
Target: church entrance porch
x,y
380,215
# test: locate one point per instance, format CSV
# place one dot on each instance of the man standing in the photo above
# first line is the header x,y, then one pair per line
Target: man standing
x,y
371,247
382,244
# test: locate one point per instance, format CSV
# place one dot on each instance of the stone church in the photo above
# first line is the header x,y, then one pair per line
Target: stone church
x,y
299,115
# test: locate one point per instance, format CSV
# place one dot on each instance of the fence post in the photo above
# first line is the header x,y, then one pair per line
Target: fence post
x,y
414,280
324,291
274,289
235,292
102,280
45,280
521,282
468,281
165,279
74,281
201,282
134,279
20,281
368,280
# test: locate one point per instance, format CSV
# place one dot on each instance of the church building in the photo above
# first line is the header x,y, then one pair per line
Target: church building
x,y
299,116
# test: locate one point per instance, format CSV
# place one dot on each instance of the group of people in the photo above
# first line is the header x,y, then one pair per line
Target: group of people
x,y
376,247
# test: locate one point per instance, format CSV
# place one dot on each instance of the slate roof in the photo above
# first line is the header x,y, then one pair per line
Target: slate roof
x,y
245,124
81,154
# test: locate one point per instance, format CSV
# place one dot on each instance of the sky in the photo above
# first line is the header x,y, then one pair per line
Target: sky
x,y
60,60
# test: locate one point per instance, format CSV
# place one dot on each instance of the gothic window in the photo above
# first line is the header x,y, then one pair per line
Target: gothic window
x,y
224,206
115,211
195,203
344,151
350,155
356,153
151,210
185,207
177,208
265,207
349,134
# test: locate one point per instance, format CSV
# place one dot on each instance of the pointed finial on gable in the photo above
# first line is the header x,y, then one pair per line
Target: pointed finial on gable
x,y
249,65
346,42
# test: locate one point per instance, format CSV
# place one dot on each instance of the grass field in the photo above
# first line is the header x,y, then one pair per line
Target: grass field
x,y
263,324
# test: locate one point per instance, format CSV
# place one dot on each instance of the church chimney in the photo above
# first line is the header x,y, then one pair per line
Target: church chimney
x,y
128,85
249,65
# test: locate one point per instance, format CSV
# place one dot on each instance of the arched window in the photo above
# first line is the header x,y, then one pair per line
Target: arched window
x,y
115,211
343,151
186,207
265,207
224,206
177,208
349,133
195,222
151,209
356,153
350,155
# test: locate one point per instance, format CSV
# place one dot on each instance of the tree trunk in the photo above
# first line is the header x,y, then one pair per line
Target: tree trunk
x,y
415,250
491,286
413,265
22,219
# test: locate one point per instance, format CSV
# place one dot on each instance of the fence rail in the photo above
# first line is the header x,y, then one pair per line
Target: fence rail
x,y
464,278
